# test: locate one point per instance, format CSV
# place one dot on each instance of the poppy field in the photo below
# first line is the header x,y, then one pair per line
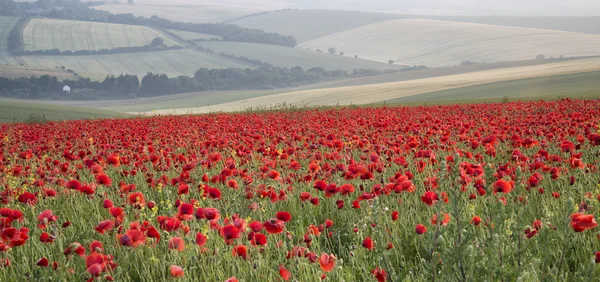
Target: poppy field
x,y
488,192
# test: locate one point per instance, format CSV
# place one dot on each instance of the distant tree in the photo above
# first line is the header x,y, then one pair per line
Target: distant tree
x,y
157,42
35,92
356,56
540,57
332,50
391,62
341,53
130,2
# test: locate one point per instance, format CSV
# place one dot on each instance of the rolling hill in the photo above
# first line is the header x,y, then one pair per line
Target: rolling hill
x,y
442,43
172,63
579,85
307,25
573,24
48,34
373,93
292,57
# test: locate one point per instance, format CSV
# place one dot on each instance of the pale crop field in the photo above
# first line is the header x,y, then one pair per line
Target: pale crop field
x,y
171,63
12,71
48,34
441,43
198,11
292,57
187,36
374,93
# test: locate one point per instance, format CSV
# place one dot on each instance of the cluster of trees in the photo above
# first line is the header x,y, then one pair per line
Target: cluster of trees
x,y
76,10
129,86
15,36
49,87
119,50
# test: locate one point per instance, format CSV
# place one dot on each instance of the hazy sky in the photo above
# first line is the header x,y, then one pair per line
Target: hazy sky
x,y
464,7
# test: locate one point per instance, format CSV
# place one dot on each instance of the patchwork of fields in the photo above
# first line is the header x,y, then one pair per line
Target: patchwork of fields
x,y
439,43
48,34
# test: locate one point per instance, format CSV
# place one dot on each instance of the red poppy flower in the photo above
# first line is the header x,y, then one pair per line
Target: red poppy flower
x,y
176,243
176,271
43,262
46,238
75,248
274,226
327,262
581,222
283,216
256,226
420,229
368,243
258,239
136,200
240,251
502,186
429,198
104,226
45,218
379,274
230,232
476,220
200,239
273,174
103,179
132,238
444,222
285,274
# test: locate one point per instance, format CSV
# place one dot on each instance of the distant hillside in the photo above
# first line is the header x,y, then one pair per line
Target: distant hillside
x,y
292,57
442,43
48,34
172,63
307,25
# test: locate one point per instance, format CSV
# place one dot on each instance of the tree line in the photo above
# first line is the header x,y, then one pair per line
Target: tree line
x,y
76,10
130,86
118,50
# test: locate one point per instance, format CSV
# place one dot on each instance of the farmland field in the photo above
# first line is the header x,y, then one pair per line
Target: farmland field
x,y
440,43
373,93
307,25
48,34
20,110
581,85
573,24
449,193
187,36
10,71
6,25
172,63
198,11
292,57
